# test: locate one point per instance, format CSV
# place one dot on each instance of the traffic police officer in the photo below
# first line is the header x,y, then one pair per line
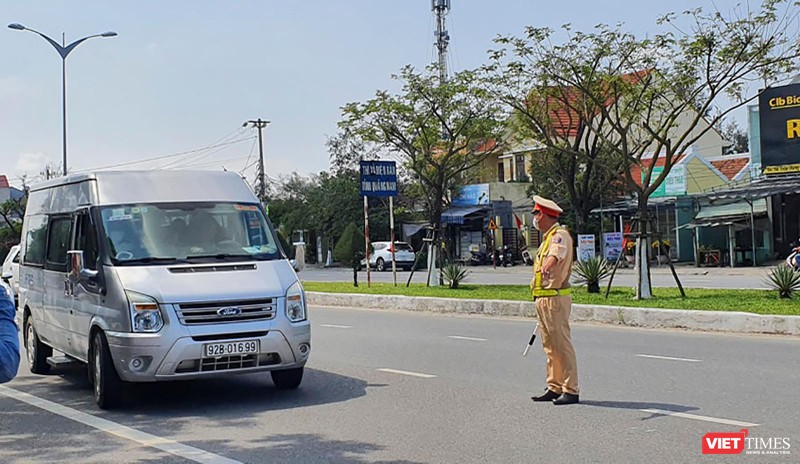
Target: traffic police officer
x,y
551,293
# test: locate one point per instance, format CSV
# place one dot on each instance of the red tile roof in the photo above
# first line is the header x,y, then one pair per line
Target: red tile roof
x,y
636,171
730,167
4,182
489,145
561,107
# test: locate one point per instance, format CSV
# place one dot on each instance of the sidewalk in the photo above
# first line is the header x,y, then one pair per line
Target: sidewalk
x,y
691,269
683,269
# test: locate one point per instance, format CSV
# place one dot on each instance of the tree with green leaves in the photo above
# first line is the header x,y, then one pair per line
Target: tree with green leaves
x,y
440,131
12,211
326,203
653,93
738,138
351,248
568,163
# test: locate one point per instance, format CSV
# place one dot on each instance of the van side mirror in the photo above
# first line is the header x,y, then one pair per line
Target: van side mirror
x,y
77,271
293,262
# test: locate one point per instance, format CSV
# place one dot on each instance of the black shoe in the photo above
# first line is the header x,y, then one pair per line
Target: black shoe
x,y
548,395
566,398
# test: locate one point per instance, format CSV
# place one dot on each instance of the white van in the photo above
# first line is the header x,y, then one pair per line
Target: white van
x,y
11,270
158,275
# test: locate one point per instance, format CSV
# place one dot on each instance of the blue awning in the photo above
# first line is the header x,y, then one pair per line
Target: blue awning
x,y
458,215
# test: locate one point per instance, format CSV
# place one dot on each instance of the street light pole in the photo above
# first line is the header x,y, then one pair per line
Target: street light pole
x,y
63,50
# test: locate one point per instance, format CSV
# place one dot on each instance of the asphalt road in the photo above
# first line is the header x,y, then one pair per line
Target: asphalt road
x,y
386,386
521,275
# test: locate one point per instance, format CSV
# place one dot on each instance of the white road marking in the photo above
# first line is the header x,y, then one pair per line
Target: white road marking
x,y
459,337
104,425
335,326
668,358
700,418
412,374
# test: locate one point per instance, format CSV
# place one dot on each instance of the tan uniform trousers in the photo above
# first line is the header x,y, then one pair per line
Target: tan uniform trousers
x,y
562,367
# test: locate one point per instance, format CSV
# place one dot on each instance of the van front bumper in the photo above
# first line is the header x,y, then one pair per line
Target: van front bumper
x,y
160,358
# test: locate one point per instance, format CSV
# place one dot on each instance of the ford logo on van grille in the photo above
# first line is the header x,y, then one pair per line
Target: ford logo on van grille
x,y
229,311
215,312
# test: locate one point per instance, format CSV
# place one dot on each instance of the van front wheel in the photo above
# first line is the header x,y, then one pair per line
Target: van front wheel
x,y
38,352
287,379
107,384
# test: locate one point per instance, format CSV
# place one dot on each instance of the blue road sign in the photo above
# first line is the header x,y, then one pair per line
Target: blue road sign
x,y
379,178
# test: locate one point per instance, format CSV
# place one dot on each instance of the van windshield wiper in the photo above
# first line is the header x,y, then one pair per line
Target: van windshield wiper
x,y
151,259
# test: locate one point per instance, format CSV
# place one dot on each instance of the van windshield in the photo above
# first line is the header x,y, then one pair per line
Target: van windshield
x,y
187,232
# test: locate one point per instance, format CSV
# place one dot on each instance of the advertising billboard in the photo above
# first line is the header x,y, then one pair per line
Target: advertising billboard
x,y
779,120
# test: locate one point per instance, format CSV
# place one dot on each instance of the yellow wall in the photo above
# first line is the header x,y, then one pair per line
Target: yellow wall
x,y
700,177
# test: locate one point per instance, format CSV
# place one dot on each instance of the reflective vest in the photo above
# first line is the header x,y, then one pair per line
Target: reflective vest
x,y
537,291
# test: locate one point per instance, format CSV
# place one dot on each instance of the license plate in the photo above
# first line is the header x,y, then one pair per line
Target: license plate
x,y
217,350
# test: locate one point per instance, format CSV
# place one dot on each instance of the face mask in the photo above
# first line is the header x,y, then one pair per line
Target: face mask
x,y
536,223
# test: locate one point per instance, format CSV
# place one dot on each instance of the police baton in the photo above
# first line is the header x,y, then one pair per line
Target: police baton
x,y
533,338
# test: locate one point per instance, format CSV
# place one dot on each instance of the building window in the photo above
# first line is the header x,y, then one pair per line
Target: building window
x,y
501,172
519,168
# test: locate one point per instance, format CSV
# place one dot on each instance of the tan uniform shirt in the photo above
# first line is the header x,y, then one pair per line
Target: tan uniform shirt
x,y
561,247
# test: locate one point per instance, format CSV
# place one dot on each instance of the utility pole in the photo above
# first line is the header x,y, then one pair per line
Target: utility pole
x,y
262,185
440,9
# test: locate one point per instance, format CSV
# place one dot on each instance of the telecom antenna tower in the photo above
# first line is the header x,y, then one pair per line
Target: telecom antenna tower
x,y
440,9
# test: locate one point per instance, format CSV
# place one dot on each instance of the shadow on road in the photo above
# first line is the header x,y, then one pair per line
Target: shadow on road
x,y
29,435
229,401
303,448
639,406
167,408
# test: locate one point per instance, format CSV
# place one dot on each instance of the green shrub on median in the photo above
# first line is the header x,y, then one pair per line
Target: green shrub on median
x,y
752,301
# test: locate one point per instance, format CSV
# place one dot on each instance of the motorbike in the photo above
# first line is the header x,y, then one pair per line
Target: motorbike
x,y
793,261
478,258
505,256
526,258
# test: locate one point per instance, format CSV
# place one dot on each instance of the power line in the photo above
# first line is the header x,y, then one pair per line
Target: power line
x,y
146,160
226,138
209,153
250,156
210,163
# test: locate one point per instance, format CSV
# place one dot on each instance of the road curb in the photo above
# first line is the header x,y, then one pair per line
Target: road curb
x,y
714,321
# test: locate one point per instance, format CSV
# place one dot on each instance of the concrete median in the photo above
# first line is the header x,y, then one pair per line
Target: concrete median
x,y
716,321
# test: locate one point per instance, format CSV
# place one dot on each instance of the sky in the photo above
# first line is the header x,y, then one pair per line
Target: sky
x,y
183,76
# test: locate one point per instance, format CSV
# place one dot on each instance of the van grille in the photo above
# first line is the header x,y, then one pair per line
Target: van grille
x,y
226,311
227,363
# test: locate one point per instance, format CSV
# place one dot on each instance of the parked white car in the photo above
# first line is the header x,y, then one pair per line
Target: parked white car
x,y
381,257
11,270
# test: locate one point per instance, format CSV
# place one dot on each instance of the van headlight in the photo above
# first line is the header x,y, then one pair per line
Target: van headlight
x,y
296,303
145,315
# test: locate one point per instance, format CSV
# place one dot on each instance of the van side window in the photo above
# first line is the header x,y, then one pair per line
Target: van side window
x,y
58,243
86,241
16,258
35,239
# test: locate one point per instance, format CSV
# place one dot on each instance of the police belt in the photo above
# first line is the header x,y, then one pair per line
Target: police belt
x,y
545,292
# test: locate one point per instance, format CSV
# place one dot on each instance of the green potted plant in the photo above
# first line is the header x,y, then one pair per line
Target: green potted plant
x,y
453,274
785,280
591,272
